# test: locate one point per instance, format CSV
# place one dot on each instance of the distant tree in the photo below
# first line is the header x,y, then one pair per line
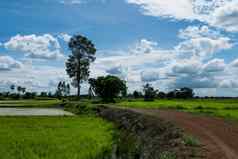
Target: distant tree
x,y
162,95
170,94
19,88
149,92
23,90
49,94
43,94
12,87
137,94
184,93
63,89
108,87
29,95
77,65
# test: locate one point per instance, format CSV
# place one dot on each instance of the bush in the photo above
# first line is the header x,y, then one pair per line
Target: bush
x,y
80,108
149,92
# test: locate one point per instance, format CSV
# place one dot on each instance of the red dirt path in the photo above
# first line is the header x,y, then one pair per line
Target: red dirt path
x,y
219,137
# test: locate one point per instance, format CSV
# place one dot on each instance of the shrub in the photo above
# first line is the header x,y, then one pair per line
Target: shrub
x,y
167,155
191,141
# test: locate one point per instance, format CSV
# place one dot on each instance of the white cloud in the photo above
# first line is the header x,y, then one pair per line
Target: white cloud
x,y
226,16
215,65
234,63
7,63
218,13
188,66
42,78
37,47
169,8
66,37
201,42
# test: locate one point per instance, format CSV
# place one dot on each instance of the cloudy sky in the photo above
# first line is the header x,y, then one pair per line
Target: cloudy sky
x,y
192,43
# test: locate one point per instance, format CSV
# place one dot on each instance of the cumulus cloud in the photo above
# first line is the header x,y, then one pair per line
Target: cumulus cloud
x,y
201,42
7,63
44,47
234,63
226,16
42,78
215,65
66,37
191,66
217,13
191,63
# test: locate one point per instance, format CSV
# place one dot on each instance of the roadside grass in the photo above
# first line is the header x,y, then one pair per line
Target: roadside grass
x,y
30,103
191,141
167,155
226,108
79,137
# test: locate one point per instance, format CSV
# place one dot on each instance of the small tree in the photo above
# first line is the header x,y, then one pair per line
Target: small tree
x,y
108,87
77,65
19,88
137,94
12,87
149,92
63,89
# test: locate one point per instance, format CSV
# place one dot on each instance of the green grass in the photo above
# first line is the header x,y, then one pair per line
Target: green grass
x,y
191,141
227,108
54,137
30,103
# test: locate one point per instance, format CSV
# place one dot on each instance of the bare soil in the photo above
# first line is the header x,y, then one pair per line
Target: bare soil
x,y
151,136
218,136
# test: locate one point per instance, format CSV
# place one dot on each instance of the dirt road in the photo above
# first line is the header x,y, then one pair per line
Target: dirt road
x,y
219,137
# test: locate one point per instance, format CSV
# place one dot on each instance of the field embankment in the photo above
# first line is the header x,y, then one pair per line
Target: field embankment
x,y
152,137
219,136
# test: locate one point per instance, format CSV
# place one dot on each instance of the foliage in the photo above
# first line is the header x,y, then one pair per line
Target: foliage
x,y
162,95
63,89
108,87
137,94
53,137
167,155
149,92
80,108
191,141
183,93
21,89
77,65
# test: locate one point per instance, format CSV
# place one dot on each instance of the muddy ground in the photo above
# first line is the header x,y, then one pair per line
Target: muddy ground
x,y
219,136
153,138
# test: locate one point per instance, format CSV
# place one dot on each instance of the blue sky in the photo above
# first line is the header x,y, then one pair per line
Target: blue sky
x,y
170,45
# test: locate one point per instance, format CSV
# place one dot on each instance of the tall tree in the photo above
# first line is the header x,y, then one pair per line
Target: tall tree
x,y
77,65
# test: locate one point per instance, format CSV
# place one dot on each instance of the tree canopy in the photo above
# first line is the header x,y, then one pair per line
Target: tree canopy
x,y
108,87
77,65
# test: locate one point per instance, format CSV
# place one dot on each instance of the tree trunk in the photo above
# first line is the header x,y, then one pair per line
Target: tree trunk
x,y
78,89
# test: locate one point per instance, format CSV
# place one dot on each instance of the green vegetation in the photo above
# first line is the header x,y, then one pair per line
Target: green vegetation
x,y
227,108
30,103
167,155
191,141
54,137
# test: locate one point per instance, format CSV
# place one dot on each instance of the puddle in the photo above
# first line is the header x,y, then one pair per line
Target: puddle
x,y
33,112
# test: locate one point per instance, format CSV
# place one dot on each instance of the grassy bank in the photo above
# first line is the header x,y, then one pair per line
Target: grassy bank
x,y
54,137
227,108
